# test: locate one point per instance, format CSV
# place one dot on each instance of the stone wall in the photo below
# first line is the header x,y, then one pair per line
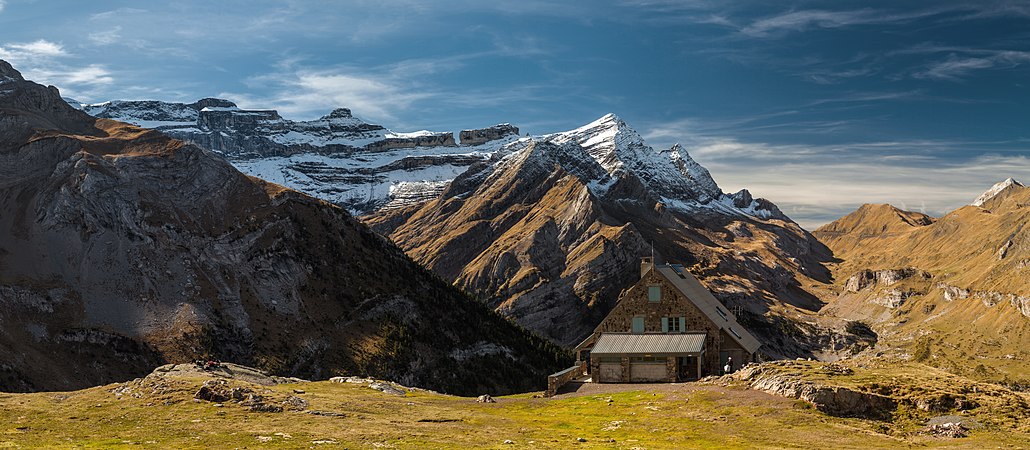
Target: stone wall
x,y
556,380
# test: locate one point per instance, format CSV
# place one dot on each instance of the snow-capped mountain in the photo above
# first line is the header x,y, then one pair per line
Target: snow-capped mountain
x,y
364,167
338,157
995,190
551,230
672,176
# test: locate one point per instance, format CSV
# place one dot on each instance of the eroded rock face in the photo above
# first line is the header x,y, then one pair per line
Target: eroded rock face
x,y
888,277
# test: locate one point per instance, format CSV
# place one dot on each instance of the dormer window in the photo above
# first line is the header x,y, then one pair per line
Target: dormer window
x,y
654,293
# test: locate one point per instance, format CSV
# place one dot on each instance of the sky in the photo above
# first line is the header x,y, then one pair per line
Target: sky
x,y
817,106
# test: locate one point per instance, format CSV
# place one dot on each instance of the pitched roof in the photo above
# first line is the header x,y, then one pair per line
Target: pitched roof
x,y
707,303
648,344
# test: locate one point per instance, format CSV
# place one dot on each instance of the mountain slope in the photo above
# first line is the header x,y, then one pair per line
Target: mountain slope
x,y
121,248
552,232
955,287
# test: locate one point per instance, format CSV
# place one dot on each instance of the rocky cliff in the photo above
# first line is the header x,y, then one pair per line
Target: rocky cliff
x,y
551,231
121,249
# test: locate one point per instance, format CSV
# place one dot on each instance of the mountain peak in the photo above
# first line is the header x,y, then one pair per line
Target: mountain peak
x,y
995,190
339,113
9,73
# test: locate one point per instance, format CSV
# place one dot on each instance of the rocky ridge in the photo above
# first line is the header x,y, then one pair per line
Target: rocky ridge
x,y
338,157
122,249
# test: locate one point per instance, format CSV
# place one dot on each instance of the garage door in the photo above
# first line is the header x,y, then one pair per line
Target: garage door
x,y
609,373
641,372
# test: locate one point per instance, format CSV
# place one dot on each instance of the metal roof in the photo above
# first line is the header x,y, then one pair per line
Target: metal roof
x,y
648,344
709,305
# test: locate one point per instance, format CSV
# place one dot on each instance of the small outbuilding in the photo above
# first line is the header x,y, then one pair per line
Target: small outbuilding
x,y
666,328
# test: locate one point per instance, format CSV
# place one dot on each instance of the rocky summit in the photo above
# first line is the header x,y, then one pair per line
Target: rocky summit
x,y
551,232
122,249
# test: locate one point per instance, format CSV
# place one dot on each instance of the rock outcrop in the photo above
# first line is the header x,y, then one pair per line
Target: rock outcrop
x,y
887,277
484,135
833,400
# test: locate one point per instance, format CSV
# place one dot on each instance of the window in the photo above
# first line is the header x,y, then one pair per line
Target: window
x,y
673,324
654,293
609,359
735,333
722,313
647,359
638,324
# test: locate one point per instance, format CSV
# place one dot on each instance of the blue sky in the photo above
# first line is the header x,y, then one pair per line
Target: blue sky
x,y
818,106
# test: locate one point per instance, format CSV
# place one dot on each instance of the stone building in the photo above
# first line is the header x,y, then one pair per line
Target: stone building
x,y
667,327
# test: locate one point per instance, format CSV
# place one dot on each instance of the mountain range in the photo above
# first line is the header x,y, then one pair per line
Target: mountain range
x,y
340,158
122,248
545,229
548,230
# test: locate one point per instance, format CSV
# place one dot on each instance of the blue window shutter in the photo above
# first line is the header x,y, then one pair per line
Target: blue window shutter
x,y
683,323
665,324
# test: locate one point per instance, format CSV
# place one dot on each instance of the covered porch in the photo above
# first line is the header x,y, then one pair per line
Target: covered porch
x,y
647,357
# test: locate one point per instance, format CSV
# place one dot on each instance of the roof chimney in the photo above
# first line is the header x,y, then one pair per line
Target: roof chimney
x,y
646,263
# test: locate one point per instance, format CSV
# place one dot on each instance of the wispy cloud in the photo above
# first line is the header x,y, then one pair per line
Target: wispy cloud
x,y
803,20
957,67
106,37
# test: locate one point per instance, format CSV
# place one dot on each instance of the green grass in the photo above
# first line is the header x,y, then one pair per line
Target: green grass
x,y
684,416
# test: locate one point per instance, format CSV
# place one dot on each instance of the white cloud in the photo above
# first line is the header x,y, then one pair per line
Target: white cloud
x,y
30,51
2,5
41,47
43,61
309,93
